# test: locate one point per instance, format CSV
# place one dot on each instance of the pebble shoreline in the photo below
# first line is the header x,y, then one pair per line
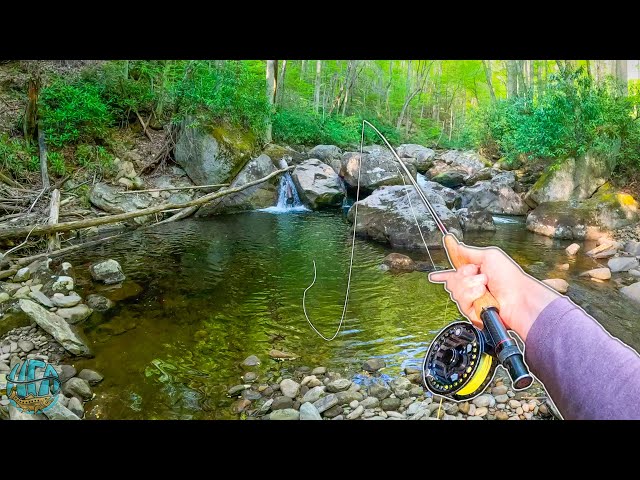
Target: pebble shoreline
x,y
319,394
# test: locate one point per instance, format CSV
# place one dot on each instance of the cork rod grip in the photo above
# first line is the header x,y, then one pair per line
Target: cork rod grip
x,y
485,301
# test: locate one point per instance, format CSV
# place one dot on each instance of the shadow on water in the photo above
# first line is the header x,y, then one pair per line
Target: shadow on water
x,y
215,291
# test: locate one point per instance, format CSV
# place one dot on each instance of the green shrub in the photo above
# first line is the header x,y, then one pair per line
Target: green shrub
x,y
15,157
231,90
56,163
575,115
295,127
73,112
95,158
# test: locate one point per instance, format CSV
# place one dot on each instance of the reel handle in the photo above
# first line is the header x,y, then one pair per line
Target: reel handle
x,y
487,307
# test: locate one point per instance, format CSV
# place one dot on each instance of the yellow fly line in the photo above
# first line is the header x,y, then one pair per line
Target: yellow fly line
x,y
475,382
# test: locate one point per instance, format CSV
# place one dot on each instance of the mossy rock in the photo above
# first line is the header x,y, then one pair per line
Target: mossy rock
x,y
606,210
572,179
213,153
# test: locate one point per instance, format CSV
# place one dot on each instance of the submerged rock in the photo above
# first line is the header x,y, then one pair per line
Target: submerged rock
x,y
374,364
99,303
386,216
318,185
397,261
572,249
598,273
558,284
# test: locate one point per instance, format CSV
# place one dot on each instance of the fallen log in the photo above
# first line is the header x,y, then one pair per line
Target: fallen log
x,y
40,230
21,262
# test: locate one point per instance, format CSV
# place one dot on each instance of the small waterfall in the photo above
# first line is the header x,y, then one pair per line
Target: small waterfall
x,y
288,199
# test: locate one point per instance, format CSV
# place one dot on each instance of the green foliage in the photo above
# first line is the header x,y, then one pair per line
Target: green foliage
x,y
74,111
56,163
129,85
575,115
298,127
230,90
15,157
95,158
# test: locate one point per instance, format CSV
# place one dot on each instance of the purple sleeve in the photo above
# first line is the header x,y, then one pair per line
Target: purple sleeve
x,y
588,373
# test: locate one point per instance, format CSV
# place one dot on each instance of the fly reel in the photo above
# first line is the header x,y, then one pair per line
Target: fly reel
x,y
459,363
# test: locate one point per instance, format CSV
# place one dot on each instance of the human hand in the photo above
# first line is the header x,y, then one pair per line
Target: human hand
x,y
521,297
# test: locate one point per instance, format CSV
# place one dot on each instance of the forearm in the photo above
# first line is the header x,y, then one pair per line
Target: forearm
x,y
588,373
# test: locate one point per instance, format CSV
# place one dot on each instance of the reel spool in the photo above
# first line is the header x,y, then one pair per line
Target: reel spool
x,y
458,364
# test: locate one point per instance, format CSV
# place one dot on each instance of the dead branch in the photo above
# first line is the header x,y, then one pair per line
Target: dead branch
x,y
129,192
144,127
44,172
9,181
40,230
53,242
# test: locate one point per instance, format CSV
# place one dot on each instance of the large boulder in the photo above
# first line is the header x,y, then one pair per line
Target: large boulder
x,y
111,199
212,154
329,154
573,179
584,220
288,154
475,220
451,178
419,156
325,153
449,195
468,162
494,197
318,185
259,196
379,168
385,216
177,179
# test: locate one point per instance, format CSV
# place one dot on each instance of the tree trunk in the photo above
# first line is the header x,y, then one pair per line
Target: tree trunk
x,y
280,83
30,125
621,77
422,74
522,85
44,172
54,210
512,79
540,88
316,92
272,84
303,69
388,89
487,73
531,78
